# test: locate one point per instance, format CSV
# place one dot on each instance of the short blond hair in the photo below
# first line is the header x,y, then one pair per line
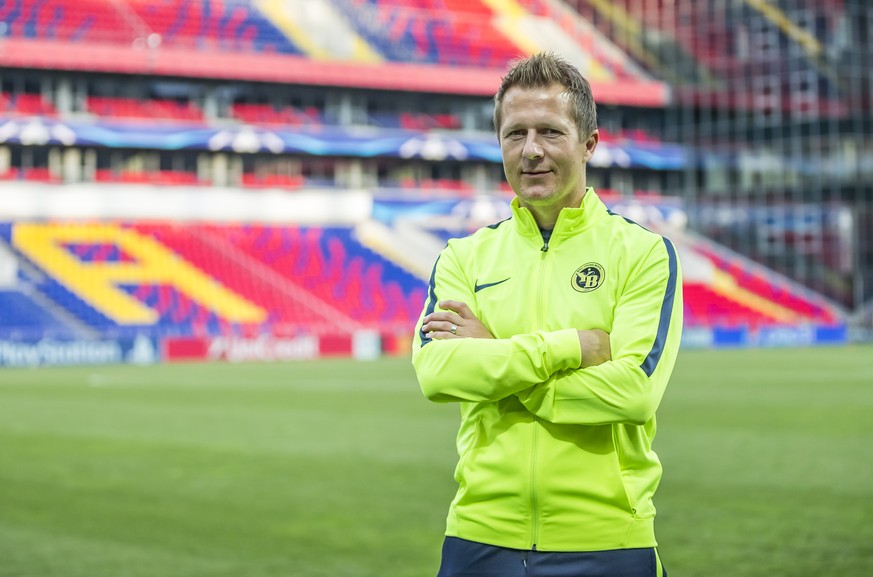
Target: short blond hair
x,y
545,69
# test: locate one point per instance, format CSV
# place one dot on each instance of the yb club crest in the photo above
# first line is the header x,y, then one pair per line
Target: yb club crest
x,y
588,277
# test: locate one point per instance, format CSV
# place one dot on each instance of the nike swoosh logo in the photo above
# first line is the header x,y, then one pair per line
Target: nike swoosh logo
x,y
479,287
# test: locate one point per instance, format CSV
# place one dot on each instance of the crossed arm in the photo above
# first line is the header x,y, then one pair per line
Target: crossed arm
x,y
565,376
593,344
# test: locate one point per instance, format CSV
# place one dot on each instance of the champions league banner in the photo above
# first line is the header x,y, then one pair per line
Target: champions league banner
x,y
362,142
46,352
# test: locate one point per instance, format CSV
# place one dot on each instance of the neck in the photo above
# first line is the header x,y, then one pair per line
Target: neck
x,y
546,215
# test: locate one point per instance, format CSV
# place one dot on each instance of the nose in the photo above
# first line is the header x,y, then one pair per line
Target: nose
x,y
532,149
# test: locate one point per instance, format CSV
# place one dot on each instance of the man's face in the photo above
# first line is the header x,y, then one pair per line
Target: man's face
x,y
543,157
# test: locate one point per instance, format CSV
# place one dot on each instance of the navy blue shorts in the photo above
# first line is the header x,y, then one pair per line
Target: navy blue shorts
x,y
462,558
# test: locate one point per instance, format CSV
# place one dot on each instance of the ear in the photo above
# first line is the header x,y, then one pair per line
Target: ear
x,y
591,144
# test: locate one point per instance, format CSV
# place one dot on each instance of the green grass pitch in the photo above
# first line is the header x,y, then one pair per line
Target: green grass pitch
x,y
343,469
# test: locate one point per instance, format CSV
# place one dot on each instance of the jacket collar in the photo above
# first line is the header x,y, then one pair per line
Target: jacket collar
x,y
570,220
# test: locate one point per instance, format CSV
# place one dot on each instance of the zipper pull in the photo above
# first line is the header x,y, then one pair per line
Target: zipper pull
x,y
545,247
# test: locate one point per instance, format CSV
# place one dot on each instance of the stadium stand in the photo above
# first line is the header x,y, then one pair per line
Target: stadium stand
x,y
312,279
704,306
432,32
203,24
334,267
765,285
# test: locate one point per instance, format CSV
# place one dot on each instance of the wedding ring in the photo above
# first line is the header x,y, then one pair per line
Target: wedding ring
x,y
454,329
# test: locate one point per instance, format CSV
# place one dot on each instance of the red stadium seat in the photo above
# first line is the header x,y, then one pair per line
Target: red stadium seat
x,y
38,174
144,109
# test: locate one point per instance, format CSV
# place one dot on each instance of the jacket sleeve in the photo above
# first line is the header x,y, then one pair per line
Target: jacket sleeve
x,y
483,369
645,339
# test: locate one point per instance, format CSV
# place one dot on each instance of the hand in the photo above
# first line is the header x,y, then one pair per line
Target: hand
x,y
595,347
438,325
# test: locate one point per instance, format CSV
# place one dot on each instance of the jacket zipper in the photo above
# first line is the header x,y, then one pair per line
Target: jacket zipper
x,y
534,508
534,514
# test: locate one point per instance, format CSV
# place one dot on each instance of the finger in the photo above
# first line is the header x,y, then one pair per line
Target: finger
x,y
459,307
443,335
440,326
447,316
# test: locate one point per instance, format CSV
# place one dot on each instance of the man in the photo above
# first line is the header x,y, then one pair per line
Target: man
x,y
556,332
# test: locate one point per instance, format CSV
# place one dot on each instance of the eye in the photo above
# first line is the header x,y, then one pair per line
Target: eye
x,y
550,132
515,134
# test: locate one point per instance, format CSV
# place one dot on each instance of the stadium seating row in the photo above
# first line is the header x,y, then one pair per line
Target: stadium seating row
x,y
759,282
144,109
162,177
267,114
202,24
25,103
32,174
431,32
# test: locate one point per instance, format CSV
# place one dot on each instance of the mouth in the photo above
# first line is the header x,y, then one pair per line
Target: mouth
x,y
535,173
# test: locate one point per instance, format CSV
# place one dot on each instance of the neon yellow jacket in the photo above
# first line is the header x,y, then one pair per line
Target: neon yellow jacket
x,y
553,457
